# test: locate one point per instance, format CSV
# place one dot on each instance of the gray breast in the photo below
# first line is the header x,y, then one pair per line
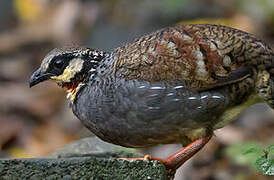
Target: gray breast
x,y
138,113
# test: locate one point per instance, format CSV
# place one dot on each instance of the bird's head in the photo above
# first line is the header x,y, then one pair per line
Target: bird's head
x,y
70,68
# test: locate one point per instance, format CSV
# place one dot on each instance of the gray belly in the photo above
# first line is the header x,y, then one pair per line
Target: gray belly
x,y
137,113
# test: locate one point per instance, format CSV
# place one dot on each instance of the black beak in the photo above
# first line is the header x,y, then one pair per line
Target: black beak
x,y
38,77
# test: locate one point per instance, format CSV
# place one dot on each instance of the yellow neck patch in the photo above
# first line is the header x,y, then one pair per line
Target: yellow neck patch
x,y
74,67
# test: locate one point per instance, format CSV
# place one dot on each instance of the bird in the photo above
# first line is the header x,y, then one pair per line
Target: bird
x,y
175,85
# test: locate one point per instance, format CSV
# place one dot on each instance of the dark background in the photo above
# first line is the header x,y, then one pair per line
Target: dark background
x,y
36,122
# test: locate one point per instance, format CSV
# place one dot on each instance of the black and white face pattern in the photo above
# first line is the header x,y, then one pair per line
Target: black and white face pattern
x,y
67,66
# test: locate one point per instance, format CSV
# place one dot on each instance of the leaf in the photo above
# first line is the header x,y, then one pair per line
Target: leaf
x,y
270,149
253,150
244,153
252,153
265,165
270,170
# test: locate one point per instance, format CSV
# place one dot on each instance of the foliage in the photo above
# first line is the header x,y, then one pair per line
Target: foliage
x,y
265,162
252,153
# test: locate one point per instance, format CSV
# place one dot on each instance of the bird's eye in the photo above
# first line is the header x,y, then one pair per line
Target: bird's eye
x,y
58,63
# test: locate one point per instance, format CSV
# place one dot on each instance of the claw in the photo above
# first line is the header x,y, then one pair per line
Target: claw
x,y
176,160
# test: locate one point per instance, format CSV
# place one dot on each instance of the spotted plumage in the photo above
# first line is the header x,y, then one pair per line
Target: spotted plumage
x,y
204,55
176,85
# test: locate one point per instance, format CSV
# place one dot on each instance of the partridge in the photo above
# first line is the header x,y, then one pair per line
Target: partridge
x,y
176,85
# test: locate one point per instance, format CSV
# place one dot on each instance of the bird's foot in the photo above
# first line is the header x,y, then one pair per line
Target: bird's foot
x,y
173,162
171,171
145,158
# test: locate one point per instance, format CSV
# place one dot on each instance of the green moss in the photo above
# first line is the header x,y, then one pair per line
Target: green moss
x,y
81,168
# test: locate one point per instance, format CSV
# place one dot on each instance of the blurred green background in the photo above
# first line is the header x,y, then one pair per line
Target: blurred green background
x,y
36,122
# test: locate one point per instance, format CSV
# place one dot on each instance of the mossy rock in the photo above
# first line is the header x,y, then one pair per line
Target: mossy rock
x,y
89,158
80,168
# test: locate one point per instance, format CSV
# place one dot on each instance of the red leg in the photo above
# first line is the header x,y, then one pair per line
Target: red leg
x,y
176,160
180,157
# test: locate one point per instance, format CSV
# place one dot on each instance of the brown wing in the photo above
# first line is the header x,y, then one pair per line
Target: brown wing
x,y
203,56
